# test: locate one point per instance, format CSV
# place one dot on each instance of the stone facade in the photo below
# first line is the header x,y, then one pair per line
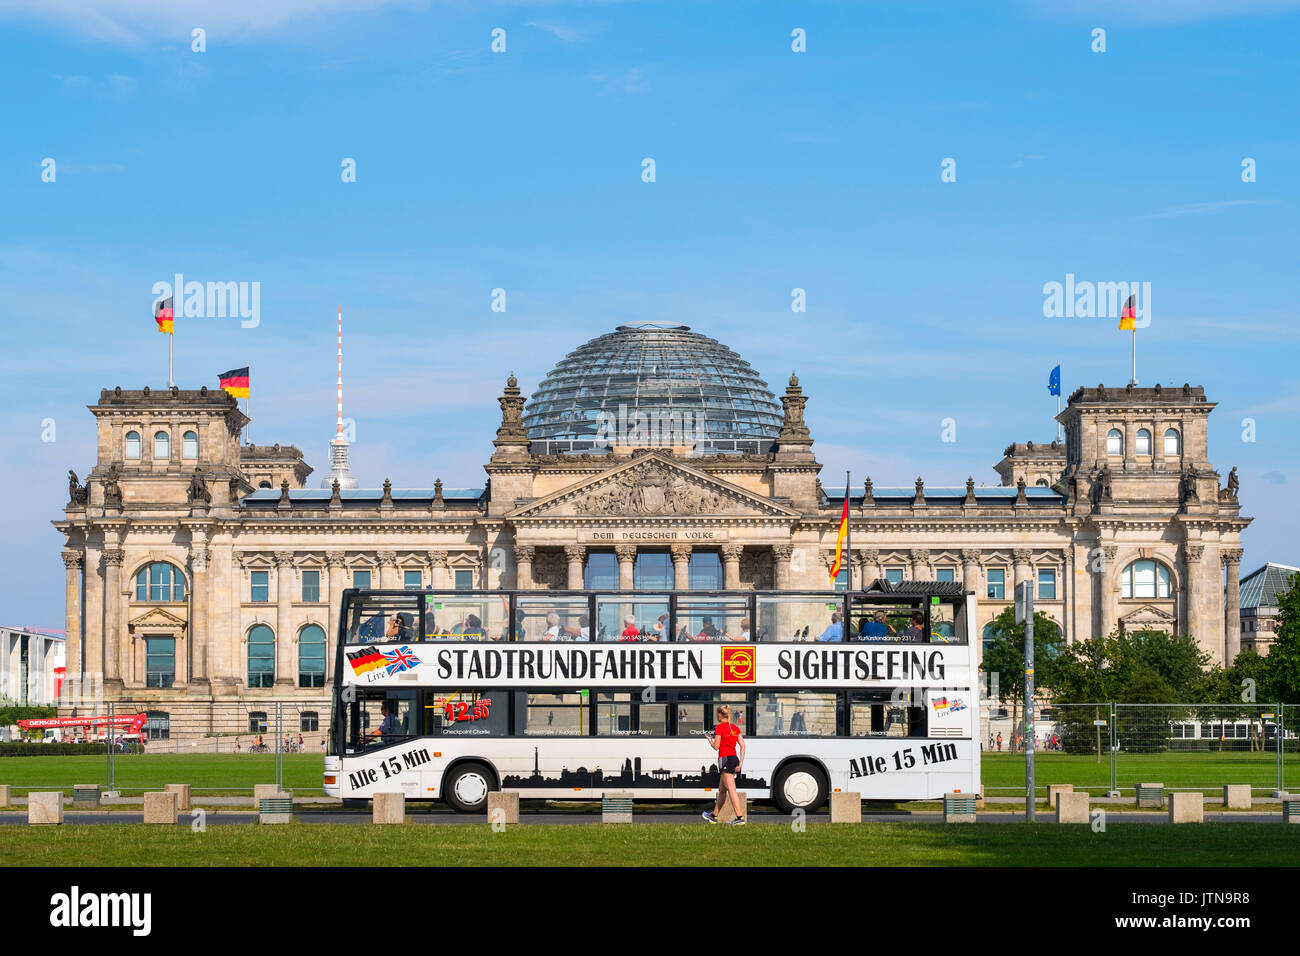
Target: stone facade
x,y
1132,483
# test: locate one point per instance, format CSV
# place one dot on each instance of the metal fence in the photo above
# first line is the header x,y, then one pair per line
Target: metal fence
x,y
218,748
1111,747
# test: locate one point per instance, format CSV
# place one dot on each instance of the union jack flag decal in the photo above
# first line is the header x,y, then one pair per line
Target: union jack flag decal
x,y
400,660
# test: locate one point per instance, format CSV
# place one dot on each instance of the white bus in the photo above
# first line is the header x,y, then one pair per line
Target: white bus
x,y
568,695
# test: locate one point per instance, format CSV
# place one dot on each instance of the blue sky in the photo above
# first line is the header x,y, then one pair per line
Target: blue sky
x,y
522,171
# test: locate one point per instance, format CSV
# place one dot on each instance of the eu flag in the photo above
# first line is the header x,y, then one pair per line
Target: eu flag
x,y
1054,382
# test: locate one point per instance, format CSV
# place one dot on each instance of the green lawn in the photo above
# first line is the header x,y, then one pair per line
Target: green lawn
x,y
870,844
208,774
1004,773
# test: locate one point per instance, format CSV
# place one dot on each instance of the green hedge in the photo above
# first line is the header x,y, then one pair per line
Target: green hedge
x,y
61,750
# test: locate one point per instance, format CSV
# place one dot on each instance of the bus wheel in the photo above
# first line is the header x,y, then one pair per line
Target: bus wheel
x,y
467,788
799,786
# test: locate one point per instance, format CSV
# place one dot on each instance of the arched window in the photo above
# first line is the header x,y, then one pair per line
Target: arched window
x,y
1173,442
1041,483
1143,444
1114,442
160,581
264,484
132,445
190,445
989,636
311,657
1145,579
162,445
261,656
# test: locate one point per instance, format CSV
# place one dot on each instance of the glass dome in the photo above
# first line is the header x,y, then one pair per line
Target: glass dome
x,y
652,385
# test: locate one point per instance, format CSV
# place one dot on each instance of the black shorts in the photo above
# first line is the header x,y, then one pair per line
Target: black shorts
x,y
729,764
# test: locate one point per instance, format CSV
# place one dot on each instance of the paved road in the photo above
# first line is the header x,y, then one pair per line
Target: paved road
x,y
571,818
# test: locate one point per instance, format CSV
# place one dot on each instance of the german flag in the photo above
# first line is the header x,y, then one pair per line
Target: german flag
x,y
235,381
1128,317
839,539
364,661
162,314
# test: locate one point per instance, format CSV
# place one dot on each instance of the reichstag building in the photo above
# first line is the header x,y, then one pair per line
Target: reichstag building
x,y
650,457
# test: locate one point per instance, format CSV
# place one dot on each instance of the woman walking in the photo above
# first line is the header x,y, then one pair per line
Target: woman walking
x,y
728,741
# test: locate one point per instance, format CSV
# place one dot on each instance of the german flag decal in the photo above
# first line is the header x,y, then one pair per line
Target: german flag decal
x,y
364,661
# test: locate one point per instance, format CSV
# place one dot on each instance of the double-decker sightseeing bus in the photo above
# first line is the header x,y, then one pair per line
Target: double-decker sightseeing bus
x,y
568,695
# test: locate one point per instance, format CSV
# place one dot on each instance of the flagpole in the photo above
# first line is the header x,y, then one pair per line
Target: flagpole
x,y
1135,353
248,404
1059,389
848,537
170,380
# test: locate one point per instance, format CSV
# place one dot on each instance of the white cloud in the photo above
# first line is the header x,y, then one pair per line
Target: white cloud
x,y
134,21
567,34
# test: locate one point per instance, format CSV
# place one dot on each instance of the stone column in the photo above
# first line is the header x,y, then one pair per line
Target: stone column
x,y
626,554
1106,611
1196,622
113,558
283,619
781,554
1024,567
72,561
524,565
338,582
438,576
199,636
388,577
1231,558
731,566
92,637
972,577
681,566
871,566
576,555
921,565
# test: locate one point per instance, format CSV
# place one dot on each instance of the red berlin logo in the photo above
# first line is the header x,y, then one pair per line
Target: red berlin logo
x,y
738,665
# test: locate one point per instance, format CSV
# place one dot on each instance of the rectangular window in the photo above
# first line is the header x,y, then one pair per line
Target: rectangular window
x,y
412,580
157,725
464,580
1047,584
466,713
893,575
803,713
792,618
697,711
160,661
704,571
625,714
309,721
552,715
712,619
945,574
997,579
257,722
361,579
879,713
601,572
311,586
260,591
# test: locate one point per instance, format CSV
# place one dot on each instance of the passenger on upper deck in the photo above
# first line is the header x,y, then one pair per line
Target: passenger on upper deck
x,y
744,630
707,631
917,631
630,632
473,629
835,632
874,630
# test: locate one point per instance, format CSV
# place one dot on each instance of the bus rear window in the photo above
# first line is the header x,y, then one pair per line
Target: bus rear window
x,y
800,713
462,713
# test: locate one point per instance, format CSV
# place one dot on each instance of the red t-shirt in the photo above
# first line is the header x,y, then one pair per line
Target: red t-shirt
x,y
630,633
727,735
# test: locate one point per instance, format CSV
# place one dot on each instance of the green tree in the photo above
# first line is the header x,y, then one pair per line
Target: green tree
x,y
1284,656
1177,660
1004,656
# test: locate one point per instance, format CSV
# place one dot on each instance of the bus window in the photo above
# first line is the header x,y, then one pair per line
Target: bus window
x,y
625,714
874,621
383,617
713,619
551,715
619,619
943,624
882,713
793,618
803,713
552,619
368,723
456,713
697,711
465,619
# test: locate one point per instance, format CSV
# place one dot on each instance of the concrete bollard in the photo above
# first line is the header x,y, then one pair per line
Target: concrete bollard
x,y
503,806
261,790
159,807
182,791
616,807
726,815
4,796
45,807
1236,796
1186,808
959,808
1072,807
85,795
389,808
1151,795
979,801
846,807
1055,788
